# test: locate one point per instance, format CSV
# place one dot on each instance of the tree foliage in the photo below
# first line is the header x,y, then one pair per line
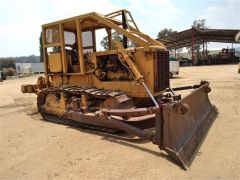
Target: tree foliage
x,y
115,35
7,63
198,24
165,32
104,42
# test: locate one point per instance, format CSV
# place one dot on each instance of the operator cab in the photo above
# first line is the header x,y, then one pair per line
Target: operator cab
x,y
71,47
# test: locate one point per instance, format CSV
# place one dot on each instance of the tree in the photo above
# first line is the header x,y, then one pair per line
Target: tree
x,y
41,47
104,42
198,24
115,35
165,32
7,63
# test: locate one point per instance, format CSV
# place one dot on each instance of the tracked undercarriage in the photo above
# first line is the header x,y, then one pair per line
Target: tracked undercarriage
x,y
86,113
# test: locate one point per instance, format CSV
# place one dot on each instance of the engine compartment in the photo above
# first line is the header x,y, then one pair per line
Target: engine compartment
x,y
109,68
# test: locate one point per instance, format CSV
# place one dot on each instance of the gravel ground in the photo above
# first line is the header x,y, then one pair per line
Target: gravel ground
x,y
33,149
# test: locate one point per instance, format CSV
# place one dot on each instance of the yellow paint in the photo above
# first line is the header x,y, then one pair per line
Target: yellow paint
x,y
55,62
61,71
55,105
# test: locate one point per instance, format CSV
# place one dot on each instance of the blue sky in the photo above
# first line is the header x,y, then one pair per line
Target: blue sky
x,y
20,21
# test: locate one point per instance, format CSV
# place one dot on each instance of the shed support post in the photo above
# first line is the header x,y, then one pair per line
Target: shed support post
x,y
203,52
193,61
206,47
206,51
203,46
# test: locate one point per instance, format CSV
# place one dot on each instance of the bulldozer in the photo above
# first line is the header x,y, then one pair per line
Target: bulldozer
x,y
123,88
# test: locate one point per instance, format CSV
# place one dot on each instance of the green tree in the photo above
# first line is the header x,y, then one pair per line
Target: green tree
x,y
115,35
104,42
41,47
7,63
165,32
198,24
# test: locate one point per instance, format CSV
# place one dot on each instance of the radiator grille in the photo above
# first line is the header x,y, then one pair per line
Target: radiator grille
x,y
161,70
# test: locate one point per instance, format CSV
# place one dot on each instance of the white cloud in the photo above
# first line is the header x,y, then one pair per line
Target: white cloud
x,y
20,27
219,16
225,17
65,9
20,21
153,15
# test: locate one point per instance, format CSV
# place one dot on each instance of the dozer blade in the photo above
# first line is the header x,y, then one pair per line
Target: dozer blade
x,y
186,124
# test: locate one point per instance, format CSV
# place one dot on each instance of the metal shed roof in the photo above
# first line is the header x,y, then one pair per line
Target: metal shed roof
x,y
187,37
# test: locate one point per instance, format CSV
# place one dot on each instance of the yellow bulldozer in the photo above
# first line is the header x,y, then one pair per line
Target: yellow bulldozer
x,y
122,88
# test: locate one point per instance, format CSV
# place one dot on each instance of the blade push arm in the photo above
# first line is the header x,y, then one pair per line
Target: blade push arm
x,y
128,61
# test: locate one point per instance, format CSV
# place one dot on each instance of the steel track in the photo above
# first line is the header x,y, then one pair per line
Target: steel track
x,y
72,123
121,97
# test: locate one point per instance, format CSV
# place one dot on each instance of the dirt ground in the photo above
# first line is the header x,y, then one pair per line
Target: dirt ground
x,y
33,149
